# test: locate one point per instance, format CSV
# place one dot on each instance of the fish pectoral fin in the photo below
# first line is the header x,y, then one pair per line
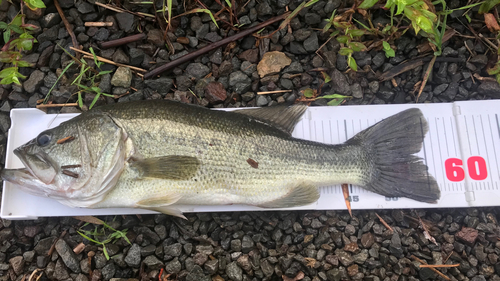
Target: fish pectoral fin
x,y
303,194
162,204
282,117
172,167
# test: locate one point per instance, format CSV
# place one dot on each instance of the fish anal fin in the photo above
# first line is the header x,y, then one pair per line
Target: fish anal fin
x,y
282,117
172,167
162,204
300,195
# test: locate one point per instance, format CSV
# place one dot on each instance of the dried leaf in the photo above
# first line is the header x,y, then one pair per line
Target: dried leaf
x,y
310,262
491,22
429,237
89,219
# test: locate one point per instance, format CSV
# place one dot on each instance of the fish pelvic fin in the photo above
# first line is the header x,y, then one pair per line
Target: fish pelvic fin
x,y
300,195
396,172
171,167
162,204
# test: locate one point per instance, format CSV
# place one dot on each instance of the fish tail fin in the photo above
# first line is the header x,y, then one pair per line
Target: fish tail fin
x,y
396,172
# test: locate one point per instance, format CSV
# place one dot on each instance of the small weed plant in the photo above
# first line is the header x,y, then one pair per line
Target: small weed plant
x,y
103,235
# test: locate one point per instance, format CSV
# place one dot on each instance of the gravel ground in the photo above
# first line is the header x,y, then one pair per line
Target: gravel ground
x,y
257,245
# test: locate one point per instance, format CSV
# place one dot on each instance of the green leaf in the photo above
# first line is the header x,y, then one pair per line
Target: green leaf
x,y
8,72
33,4
95,100
335,33
356,32
386,29
228,2
310,3
7,81
80,101
3,25
352,63
16,29
367,4
334,96
390,53
18,20
334,102
345,51
22,63
468,18
343,39
425,24
326,76
487,5
6,36
491,71
308,93
356,46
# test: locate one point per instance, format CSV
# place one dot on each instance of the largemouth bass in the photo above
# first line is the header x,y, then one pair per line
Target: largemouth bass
x,y
157,154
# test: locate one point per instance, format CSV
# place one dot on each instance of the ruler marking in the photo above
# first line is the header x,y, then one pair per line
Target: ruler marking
x,y
453,135
345,129
338,132
439,146
498,125
494,149
446,139
331,131
467,130
425,154
486,147
475,134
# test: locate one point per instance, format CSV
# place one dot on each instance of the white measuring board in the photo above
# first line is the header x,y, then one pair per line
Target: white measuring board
x,y
461,149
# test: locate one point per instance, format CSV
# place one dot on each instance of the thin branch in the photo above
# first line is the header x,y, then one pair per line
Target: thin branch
x,y
211,47
384,223
99,24
273,92
432,268
67,25
123,41
345,191
108,61
438,265
56,105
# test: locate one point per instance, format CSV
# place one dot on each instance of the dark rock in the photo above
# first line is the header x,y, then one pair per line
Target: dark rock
x,y
50,20
311,44
153,262
60,271
234,272
66,4
489,88
102,34
395,247
385,94
264,9
120,57
212,266
133,257
197,70
215,92
162,85
196,274
42,247
108,271
17,264
155,37
339,83
312,18
68,256
173,250
344,257
173,267
251,55
85,7
48,35
125,21
297,48
467,235
34,81
367,240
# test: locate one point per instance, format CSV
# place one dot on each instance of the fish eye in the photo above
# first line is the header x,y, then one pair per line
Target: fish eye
x,y
43,139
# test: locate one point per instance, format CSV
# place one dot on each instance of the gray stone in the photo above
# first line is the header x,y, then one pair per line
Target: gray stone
x,y
162,85
50,20
173,250
102,34
136,56
125,21
302,34
339,83
68,256
133,257
197,70
264,9
312,18
238,77
173,267
85,7
234,272
294,67
34,81
122,77
17,264
108,271
152,262
120,57
489,88
262,100
105,84
311,44
43,246
48,35
60,271
155,37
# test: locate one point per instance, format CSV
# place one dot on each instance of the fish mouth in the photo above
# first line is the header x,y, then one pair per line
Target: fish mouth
x,y
24,179
38,166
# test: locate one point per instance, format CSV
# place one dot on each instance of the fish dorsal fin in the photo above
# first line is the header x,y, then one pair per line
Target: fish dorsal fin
x,y
162,204
172,167
300,195
282,117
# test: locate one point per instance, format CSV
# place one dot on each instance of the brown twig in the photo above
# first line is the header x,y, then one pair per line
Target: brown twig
x,y
52,248
438,265
99,24
120,10
345,191
384,223
70,166
56,105
432,268
65,140
273,92
89,260
89,55
123,41
70,173
79,248
426,77
211,47
68,26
